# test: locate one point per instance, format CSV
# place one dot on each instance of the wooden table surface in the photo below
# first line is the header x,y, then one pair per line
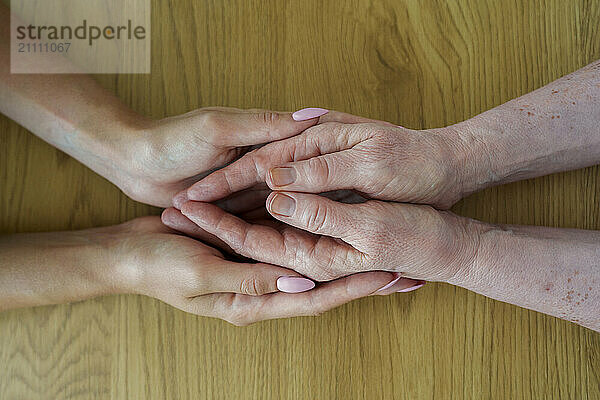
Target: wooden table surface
x,y
418,63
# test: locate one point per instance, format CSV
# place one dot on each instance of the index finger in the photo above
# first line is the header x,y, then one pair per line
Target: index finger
x,y
319,257
253,167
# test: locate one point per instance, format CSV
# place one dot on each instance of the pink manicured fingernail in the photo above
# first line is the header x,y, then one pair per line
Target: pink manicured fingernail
x,y
179,199
410,289
389,285
283,205
308,113
294,284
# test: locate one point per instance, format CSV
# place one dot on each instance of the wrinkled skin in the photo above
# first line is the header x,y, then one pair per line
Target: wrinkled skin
x,y
377,159
325,240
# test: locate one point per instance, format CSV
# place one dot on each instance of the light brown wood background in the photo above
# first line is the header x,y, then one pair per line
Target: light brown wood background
x,y
420,63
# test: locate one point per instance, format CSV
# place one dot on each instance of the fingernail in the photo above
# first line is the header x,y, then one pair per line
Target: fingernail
x,y
410,289
294,284
389,285
308,113
179,199
283,205
283,176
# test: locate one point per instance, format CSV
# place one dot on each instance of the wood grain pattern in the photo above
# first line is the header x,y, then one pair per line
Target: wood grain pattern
x,y
420,63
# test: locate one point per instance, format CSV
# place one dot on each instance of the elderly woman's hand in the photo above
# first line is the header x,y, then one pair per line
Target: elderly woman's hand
x,y
324,239
377,159
554,271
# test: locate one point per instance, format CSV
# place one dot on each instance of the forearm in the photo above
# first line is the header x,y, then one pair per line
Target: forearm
x,y
70,111
552,129
553,271
57,267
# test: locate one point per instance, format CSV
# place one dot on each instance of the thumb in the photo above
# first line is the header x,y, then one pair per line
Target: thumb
x,y
314,213
235,127
319,174
345,118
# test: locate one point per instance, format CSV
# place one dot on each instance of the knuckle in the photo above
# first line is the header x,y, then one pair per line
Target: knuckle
x,y
212,120
269,117
317,217
320,172
196,277
239,243
253,286
328,258
270,120
261,160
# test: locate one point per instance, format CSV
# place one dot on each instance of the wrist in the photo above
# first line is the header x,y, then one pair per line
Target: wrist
x,y
116,269
123,148
461,172
482,157
488,244
460,245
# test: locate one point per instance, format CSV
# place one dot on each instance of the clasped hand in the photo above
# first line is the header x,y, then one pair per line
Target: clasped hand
x,y
324,239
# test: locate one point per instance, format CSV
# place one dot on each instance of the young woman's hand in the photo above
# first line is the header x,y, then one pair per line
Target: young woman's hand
x,y
196,278
143,256
171,154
